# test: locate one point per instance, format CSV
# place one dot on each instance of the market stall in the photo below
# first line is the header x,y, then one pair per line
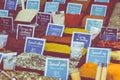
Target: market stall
x,y
59,40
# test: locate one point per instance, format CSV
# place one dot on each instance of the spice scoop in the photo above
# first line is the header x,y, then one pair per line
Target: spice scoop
x,y
99,71
8,76
13,79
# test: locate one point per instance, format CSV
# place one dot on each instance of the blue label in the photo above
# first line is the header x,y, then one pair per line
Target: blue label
x,y
33,4
73,8
34,45
94,24
98,10
102,1
57,68
3,13
11,4
51,7
60,1
108,34
54,30
98,55
82,37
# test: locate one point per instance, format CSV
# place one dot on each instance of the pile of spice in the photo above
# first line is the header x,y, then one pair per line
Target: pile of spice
x,y
24,75
37,62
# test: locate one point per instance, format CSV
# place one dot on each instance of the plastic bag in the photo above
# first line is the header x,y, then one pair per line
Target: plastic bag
x,y
3,41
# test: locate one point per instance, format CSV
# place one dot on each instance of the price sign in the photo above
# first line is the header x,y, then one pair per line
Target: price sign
x,y
81,38
98,55
54,30
4,13
43,18
56,67
33,4
51,7
107,1
11,4
34,45
94,25
109,34
73,8
6,24
60,1
98,10
24,31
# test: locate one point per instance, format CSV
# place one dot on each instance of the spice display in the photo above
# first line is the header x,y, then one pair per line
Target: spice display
x,y
68,30
69,20
115,45
31,61
113,72
24,75
61,48
31,66
55,47
66,40
20,75
88,70
37,62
